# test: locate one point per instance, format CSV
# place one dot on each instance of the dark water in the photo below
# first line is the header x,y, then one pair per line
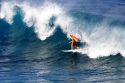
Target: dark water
x,y
24,58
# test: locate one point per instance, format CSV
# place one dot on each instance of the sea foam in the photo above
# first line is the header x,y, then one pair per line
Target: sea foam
x,y
103,40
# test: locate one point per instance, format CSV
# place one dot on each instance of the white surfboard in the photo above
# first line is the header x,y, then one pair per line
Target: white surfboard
x,y
67,50
83,51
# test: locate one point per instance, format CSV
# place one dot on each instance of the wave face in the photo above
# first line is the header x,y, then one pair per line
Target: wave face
x,y
34,33
104,34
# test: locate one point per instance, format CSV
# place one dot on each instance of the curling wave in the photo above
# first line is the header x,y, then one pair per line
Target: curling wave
x,y
103,36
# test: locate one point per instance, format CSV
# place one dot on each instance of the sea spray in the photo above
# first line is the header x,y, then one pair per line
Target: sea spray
x,y
103,40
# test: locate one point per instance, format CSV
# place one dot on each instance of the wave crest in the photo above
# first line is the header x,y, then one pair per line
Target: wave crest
x,y
102,39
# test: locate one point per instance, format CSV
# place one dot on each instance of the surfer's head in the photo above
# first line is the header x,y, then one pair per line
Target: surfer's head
x,y
71,35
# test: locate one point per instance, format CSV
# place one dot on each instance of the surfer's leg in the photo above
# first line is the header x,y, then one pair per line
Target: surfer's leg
x,y
77,45
72,47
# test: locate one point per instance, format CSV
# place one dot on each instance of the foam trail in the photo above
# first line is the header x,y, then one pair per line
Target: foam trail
x,y
102,41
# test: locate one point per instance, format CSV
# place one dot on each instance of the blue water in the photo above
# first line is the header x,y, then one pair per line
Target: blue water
x,y
24,58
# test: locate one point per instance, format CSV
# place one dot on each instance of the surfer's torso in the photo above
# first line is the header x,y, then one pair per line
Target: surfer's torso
x,y
74,42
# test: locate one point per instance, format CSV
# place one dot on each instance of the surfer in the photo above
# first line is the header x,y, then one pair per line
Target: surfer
x,y
74,41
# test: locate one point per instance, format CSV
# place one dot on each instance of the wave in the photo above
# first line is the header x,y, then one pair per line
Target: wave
x,y
103,36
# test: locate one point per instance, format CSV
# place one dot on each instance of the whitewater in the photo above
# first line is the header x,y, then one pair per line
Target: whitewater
x,y
102,38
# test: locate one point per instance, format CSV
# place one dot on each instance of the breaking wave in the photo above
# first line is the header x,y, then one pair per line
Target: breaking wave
x,y
104,36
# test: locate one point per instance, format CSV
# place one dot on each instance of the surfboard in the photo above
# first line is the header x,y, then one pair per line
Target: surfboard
x,y
72,50
67,50
83,51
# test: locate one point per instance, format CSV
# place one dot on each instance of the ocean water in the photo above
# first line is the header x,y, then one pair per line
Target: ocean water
x,y
34,33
